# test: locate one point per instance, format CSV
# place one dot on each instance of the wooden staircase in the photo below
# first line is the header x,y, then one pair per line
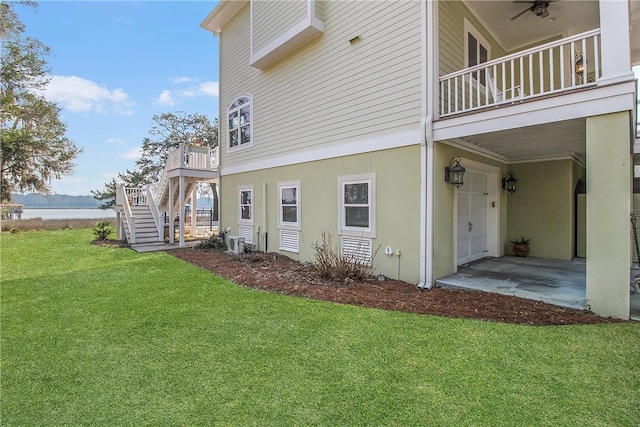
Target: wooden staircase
x,y
145,226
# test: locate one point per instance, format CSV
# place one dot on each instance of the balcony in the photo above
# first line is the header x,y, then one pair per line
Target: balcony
x,y
569,64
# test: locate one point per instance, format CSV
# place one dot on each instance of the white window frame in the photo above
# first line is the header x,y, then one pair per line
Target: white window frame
x,y
241,220
281,223
237,109
470,29
343,229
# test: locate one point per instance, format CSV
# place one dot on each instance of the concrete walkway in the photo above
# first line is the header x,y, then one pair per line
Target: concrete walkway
x,y
557,282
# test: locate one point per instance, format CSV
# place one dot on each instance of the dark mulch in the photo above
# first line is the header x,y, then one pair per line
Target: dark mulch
x,y
277,273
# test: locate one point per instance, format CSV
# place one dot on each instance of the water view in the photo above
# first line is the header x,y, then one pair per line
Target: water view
x,y
89,213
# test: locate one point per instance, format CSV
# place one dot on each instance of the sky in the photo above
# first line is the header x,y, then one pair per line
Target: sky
x,y
116,64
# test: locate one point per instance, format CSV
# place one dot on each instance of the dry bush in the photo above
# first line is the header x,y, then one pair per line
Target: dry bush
x,y
333,265
48,224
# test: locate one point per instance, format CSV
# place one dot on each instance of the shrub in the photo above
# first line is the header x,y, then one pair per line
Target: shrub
x,y
215,242
334,265
102,230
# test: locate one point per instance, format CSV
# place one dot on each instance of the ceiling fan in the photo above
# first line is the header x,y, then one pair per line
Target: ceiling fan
x,y
538,8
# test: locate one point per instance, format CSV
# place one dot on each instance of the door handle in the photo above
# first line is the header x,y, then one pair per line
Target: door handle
x,y
470,227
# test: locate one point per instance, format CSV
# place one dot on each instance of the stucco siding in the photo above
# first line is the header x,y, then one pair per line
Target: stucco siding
x,y
330,90
273,18
397,212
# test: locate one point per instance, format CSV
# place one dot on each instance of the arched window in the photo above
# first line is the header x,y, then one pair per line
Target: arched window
x,y
240,113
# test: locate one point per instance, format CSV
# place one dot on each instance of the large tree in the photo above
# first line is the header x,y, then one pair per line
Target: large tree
x,y
34,148
167,132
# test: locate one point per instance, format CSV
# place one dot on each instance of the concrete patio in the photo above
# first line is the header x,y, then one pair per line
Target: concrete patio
x,y
557,282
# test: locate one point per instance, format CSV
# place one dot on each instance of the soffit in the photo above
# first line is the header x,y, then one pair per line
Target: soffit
x,y
566,17
540,142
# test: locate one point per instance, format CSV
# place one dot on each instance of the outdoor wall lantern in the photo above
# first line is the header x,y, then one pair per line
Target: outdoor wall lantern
x,y
454,173
509,182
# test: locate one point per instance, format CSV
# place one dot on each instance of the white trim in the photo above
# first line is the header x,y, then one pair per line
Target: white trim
x,y
580,104
493,211
240,146
347,148
287,225
370,179
473,148
252,205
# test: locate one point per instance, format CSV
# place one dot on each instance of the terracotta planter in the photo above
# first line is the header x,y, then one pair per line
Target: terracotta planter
x,y
521,249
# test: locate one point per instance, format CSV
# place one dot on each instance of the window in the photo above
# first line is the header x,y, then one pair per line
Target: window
x,y
357,205
245,214
289,205
477,50
240,114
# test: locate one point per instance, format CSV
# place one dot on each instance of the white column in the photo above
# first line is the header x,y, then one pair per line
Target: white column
x,y
172,213
609,177
194,210
182,209
615,45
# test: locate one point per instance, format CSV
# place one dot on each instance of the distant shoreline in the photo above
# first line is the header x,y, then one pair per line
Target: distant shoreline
x,y
61,207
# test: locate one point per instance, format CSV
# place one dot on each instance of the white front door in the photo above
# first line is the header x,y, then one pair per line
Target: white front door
x,y
473,205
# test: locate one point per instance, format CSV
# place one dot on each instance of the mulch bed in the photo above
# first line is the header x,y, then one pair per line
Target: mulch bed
x,y
277,273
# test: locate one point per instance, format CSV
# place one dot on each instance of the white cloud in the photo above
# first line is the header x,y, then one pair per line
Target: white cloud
x,y
165,98
209,88
130,154
116,141
80,95
178,80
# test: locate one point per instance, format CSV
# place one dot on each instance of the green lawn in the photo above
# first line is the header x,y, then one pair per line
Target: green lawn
x,y
107,336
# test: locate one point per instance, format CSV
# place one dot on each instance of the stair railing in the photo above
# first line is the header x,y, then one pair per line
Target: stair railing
x,y
123,200
155,212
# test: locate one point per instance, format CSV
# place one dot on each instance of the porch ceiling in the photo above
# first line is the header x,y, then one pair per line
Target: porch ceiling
x,y
540,142
566,17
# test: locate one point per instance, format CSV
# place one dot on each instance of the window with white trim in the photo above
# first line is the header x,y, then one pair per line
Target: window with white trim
x,y
289,205
245,206
477,50
240,115
357,205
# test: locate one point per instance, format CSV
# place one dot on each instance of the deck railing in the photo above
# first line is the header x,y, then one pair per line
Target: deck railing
x,y
136,196
566,64
123,200
192,157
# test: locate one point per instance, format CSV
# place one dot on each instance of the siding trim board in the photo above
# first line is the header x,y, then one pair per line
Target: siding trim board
x,y
360,146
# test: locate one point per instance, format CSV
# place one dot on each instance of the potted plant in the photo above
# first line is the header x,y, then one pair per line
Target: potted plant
x,y
521,246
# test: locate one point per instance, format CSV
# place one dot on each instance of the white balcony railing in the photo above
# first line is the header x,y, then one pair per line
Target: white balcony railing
x,y
191,157
566,64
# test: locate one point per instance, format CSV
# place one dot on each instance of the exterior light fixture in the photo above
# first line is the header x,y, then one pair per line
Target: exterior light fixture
x,y
579,63
509,182
454,173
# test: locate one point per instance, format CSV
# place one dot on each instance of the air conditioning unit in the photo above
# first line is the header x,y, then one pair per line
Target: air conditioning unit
x,y
235,244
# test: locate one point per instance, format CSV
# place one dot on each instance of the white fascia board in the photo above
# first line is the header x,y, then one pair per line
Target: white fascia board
x,y
593,102
376,143
302,32
221,14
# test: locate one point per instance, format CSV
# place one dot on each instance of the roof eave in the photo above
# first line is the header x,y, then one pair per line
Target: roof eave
x,y
221,14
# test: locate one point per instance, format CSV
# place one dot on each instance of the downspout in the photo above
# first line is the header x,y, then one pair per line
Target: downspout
x,y
426,203
429,71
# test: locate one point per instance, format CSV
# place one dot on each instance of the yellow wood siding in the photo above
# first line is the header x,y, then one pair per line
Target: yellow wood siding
x,y
329,90
273,18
